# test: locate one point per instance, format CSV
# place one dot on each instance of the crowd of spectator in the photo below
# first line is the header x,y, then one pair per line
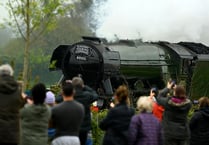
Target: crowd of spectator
x,y
35,118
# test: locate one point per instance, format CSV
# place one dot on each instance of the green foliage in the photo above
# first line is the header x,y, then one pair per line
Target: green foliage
x,y
41,14
97,133
192,110
30,16
68,30
71,20
200,80
53,64
14,48
55,88
19,76
5,35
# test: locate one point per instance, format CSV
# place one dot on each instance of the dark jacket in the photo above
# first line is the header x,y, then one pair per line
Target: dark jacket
x,y
86,96
145,129
174,123
10,103
116,125
199,127
34,124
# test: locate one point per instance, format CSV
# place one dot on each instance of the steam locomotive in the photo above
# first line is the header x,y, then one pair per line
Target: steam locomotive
x,y
140,65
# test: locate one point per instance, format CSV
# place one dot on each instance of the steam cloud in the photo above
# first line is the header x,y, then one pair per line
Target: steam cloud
x,y
153,20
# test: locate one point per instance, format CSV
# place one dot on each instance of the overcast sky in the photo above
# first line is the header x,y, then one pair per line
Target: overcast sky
x,y
153,20
3,12
171,20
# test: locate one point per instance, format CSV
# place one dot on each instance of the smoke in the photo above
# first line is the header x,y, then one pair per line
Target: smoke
x,y
153,20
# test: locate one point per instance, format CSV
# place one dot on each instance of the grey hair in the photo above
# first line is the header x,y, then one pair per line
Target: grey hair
x,y
6,69
144,104
77,82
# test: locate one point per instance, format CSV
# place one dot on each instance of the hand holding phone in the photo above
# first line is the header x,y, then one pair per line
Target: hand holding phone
x,y
171,84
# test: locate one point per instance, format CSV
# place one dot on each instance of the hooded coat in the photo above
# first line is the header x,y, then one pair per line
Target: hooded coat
x,y
199,127
10,103
175,124
34,124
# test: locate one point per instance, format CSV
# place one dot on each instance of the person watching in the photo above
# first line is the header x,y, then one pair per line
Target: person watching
x,y
116,123
145,129
174,122
199,125
35,118
10,103
157,109
67,118
86,96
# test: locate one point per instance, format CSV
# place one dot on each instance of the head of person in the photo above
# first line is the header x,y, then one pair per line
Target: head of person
x,y
6,69
38,93
144,104
203,102
180,92
67,90
153,92
122,94
77,82
50,98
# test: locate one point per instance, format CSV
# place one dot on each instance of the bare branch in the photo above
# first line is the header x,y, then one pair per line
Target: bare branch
x,y
23,12
15,18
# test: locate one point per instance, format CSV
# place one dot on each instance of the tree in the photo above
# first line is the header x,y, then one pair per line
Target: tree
x,y
68,31
5,35
82,20
30,16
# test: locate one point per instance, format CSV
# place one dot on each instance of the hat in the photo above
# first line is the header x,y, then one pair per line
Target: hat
x,y
154,90
50,98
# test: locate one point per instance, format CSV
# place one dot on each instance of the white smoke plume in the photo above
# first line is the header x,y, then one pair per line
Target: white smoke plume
x,y
153,20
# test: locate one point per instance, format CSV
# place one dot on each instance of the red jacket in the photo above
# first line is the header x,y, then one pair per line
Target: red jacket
x,y
158,110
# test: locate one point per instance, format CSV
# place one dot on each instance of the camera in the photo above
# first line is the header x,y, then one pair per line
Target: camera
x,y
195,102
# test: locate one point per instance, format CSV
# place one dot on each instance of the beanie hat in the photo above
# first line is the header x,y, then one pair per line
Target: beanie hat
x,y
50,98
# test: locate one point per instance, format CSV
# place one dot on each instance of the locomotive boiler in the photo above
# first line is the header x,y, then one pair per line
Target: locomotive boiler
x,y
140,65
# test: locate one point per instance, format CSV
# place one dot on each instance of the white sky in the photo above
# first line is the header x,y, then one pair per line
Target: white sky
x,y
3,12
171,20
153,20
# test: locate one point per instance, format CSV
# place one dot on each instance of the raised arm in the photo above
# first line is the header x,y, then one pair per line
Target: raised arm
x,y
162,98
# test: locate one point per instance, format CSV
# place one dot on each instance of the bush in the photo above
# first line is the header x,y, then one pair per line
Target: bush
x,y
192,110
97,133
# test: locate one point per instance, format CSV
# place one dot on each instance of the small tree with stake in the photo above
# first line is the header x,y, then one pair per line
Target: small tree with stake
x,y
32,18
